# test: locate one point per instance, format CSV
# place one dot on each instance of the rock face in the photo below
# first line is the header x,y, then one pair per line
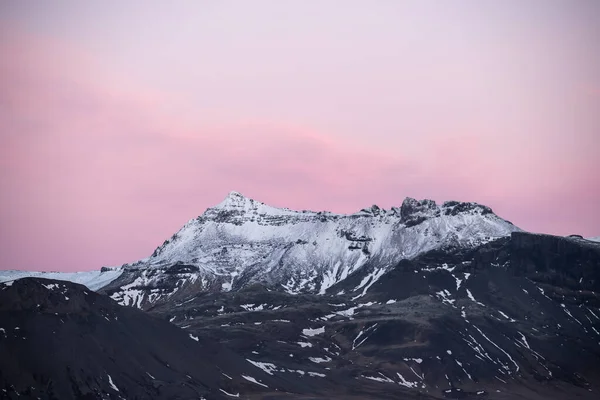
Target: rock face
x,y
59,340
241,241
569,263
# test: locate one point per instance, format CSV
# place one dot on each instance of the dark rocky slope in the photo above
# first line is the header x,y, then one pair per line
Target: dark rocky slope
x,y
514,318
59,340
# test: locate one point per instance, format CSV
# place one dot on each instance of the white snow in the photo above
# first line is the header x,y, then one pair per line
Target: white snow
x,y
506,316
458,282
444,296
369,304
305,344
372,278
473,298
543,293
253,380
566,310
524,340
194,337
499,348
406,383
390,302
230,394
381,378
319,360
267,367
298,371
252,307
366,333
112,385
444,267
313,332
464,370
478,348
421,377
94,280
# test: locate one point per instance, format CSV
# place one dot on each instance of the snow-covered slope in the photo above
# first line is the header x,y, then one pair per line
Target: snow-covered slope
x,y
94,280
594,239
241,241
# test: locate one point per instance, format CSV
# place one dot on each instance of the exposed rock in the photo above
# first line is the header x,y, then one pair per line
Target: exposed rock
x,y
59,340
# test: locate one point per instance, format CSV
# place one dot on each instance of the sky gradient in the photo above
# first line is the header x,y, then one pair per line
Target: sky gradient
x,y
121,120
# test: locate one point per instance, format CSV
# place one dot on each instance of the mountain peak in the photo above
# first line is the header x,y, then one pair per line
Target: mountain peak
x,y
413,212
235,200
235,195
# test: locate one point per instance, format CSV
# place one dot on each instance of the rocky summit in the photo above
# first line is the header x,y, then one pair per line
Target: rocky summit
x,y
422,301
241,241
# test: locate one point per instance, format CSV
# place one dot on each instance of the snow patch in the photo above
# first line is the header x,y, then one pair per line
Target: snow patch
x,y
470,295
253,380
230,394
267,367
111,383
319,360
313,332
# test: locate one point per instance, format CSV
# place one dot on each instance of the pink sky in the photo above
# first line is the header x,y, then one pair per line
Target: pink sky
x,y
120,121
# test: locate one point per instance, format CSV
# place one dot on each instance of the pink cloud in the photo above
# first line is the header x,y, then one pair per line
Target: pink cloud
x,y
96,172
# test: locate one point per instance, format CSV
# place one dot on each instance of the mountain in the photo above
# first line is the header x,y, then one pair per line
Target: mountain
x,y
59,340
241,241
518,317
421,301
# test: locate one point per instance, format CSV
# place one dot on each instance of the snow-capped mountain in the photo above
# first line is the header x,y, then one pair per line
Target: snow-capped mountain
x,y
242,241
422,301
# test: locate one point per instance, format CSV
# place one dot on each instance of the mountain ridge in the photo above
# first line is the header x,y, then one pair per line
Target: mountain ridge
x,y
420,301
242,241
